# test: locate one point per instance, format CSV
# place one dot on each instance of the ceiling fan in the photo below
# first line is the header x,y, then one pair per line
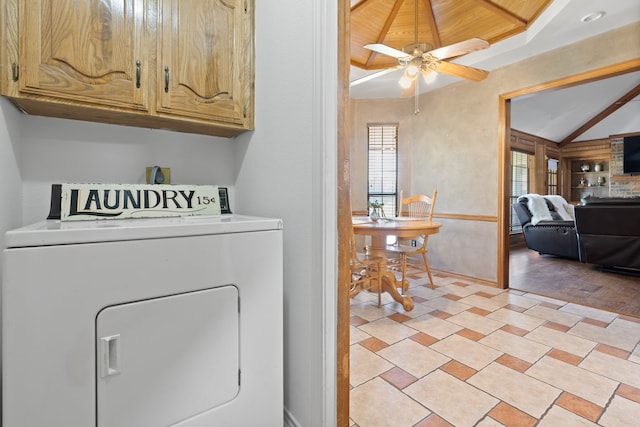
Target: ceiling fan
x,y
421,58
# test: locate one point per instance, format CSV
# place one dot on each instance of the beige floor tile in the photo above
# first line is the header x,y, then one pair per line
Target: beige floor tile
x,y
516,346
433,326
542,298
613,367
370,311
519,300
620,333
594,313
365,365
426,293
379,404
461,291
482,302
356,335
561,341
414,358
442,393
556,316
466,351
417,311
388,330
520,320
488,289
447,305
620,412
489,422
476,322
635,354
519,390
557,417
581,382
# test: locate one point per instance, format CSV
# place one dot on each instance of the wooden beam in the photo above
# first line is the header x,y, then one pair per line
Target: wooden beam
x,y
601,115
385,29
514,19
581,78
433,26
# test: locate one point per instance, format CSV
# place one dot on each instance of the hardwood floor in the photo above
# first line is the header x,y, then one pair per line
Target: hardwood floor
x,y
573,281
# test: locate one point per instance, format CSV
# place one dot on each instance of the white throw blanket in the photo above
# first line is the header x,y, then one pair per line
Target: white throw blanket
x,y
540,211
564,209
538,208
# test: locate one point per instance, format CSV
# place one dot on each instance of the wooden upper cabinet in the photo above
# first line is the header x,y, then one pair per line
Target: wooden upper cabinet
x,y
204,64
90,51
185,65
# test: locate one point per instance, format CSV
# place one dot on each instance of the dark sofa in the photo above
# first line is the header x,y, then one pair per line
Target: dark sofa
x,y
608,231
555,237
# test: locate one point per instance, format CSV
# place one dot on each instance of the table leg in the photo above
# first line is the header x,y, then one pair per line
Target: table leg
x,y
389,282
390,285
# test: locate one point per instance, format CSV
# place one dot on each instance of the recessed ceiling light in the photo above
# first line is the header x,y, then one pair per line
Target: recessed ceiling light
x,y
593,16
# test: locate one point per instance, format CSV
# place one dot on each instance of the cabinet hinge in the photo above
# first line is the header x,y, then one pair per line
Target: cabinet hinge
x,y
15,69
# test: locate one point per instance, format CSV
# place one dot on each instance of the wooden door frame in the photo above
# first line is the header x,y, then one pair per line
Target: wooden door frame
x,y
344,215
504,140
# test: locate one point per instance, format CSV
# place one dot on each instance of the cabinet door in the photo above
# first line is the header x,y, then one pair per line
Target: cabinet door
x,y
88,51
205,65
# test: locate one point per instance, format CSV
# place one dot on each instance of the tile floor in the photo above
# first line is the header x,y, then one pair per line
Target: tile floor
x,y
473,355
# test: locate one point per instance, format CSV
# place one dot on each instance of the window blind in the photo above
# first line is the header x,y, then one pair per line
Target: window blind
x,y
383,166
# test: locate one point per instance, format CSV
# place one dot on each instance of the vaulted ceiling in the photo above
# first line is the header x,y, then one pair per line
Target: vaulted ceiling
x,y
439,23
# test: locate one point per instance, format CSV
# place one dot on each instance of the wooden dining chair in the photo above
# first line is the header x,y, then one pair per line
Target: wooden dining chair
x,y
366,271
418,206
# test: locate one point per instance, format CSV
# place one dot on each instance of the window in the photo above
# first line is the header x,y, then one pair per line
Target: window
x,y
552,176
382,166
519,184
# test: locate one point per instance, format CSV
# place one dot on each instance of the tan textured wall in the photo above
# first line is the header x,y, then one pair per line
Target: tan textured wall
x,y
453,144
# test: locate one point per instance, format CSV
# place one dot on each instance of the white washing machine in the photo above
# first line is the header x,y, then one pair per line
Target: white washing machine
x,y
143,323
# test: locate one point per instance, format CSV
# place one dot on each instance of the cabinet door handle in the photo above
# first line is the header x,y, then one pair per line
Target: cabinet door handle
x,y
15,69
138,72
166,79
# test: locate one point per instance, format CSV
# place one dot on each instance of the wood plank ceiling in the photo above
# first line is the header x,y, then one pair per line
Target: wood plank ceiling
x,y
440,23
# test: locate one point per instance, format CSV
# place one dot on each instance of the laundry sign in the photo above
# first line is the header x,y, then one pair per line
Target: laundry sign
x,y
120,201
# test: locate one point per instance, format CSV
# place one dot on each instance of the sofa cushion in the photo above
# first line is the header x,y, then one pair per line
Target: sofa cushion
x,y
590,200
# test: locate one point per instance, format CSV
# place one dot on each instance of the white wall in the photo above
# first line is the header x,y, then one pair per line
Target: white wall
x,y
275,171
60,150
10,181
282,168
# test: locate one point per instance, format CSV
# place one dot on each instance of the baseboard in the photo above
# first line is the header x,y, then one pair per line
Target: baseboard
x,y
290,420
491,283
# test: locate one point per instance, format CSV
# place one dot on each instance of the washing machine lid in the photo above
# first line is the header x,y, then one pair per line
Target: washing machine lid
x,y
55,232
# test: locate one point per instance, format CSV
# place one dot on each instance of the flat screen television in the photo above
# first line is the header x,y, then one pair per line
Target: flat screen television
x,y
631,155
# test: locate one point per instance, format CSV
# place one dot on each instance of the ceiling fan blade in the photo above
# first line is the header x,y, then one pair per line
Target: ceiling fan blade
x,y
386,50
372,76
461,48
461,71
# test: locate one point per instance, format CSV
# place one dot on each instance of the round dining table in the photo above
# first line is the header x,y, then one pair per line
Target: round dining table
x,y
402,228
